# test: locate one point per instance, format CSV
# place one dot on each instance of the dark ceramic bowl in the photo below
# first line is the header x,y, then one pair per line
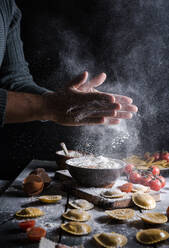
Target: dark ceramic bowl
x,y
61,158
94,177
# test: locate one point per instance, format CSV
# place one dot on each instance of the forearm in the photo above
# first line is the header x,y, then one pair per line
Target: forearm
x,y
69,107
24,107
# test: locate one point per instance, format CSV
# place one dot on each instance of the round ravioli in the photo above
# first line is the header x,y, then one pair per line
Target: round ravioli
x,y
116,193
76,228
140,187
151,236
81,204
144,200
29,213
121,214
50,198
76,215
110,240
154,218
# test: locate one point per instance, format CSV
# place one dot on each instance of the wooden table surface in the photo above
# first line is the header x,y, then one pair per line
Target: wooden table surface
x,y
13,199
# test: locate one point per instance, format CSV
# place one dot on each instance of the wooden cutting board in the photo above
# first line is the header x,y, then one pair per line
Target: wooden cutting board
x,y
93,194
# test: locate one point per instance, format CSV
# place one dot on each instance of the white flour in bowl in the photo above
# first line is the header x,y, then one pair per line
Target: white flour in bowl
x,y
99,162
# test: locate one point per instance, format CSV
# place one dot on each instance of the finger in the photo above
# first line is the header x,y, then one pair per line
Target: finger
x,y
111,121
94,82
129,108
123,99
79,80
88,111
102,105
113,114
99,97
123,115
104,113
89,121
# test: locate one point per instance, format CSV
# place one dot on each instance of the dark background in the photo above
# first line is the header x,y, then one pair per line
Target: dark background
x,y
126,39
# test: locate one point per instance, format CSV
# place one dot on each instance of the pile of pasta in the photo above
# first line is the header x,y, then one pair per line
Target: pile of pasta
x,y
146,161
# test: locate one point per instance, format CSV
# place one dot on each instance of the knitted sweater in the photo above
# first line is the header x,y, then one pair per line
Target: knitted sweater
x,y
14,71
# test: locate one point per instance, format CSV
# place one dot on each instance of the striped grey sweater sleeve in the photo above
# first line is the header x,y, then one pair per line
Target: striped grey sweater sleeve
x,y
3,101
14,71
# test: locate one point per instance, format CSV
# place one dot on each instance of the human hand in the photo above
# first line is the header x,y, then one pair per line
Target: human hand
x,y
126,106
81,104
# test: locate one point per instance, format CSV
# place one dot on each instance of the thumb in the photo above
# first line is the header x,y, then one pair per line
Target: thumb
x,y
93,83
79,80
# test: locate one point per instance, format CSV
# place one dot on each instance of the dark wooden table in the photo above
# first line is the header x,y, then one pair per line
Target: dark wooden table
x,y
13,199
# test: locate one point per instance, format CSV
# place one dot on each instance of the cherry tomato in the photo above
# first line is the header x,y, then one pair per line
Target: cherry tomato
x,y
167,212
156,156
129,168
162,180
165,156
155,184
127,187
155,170
146,180
135,177
36,233
24,225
